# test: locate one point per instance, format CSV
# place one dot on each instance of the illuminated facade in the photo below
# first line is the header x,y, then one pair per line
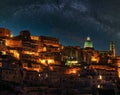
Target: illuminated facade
x,y
28,52
37,51
117,61
71,55
9,45
14,46
109,55
49,49
32,51
107,73
5,34
89,54
41,58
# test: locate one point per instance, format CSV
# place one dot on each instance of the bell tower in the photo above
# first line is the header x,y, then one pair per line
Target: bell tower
x,y
112,49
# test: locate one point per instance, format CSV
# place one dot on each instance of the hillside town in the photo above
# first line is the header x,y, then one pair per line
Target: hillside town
x,y
41,65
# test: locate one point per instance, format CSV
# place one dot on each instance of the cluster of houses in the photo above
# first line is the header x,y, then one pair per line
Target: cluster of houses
x,y
41,61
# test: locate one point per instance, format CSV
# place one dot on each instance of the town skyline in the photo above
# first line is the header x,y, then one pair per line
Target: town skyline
x,y
81,46
28,60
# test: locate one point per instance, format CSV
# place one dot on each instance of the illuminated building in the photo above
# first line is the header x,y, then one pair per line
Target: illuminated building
x,y
37,50
14,46
28,52
4,35
71,55
9,45
89,54
38,54
8,61
112,49
107,73
49,50
117,61
31,50
108,56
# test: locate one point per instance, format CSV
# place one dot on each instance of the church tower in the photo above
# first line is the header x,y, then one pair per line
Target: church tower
x,y
112,49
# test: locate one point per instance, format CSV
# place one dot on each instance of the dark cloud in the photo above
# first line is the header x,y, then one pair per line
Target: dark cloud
x,y
69,20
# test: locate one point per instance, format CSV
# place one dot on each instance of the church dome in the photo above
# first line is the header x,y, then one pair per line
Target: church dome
x,y
88,43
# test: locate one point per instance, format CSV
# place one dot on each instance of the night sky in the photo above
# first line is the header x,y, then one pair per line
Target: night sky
x,y
71,21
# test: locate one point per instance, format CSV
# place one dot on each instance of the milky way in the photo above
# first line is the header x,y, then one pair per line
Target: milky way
x,y
69,20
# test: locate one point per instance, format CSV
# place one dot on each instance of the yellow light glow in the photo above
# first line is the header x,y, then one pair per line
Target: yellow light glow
x,y
47,61
31,53
33,69
13,43
15,53
94,59
119,72
44,49
43,61
6,43
98,86
51,68
73,62
100,77
72,71
11,35
50,61
35,38
3,52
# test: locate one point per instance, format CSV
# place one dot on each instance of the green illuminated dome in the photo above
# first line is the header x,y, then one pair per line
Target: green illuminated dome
x,y
88,43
